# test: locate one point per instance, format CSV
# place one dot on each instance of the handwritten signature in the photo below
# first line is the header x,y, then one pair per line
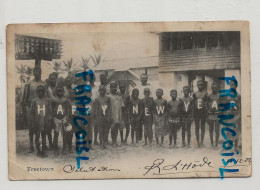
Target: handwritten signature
x,y
157,168
70,169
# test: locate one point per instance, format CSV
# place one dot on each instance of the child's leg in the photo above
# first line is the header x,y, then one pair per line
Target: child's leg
x,y
64,140
162,138
55,140
140,131
49,135
113,133
127,130
170,133
188,132
146,125
183,131
137,136
89,130
31,133
50,138
197,127
44,147
132,133
118,126
102,135
37,142
150,132
69,143
211,127
175,133
203,121
96,129
122,135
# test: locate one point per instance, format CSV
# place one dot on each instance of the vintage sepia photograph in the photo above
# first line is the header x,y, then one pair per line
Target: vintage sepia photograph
x,y
129,100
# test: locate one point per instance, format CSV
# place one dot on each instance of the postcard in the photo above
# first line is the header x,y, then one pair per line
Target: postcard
x,y
129,100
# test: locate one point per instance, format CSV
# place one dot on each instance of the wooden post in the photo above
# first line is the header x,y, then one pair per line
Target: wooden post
x,y
38,62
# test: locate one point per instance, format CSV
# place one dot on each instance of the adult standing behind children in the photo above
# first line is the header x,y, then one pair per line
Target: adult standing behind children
x,y
52,82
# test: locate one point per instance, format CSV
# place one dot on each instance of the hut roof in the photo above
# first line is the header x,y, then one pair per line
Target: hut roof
x,y
126,64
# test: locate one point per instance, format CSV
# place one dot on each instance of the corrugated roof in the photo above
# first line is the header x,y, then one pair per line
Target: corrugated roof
x,y
126,64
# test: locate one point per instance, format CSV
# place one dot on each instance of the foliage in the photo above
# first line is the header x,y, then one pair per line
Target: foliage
x,y
85,63
25,73
96,60
68,65
56,66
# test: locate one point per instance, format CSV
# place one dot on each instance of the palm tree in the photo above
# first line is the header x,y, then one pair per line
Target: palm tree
x,y
96,60
21,71
28,72
56,66
85,63
68,65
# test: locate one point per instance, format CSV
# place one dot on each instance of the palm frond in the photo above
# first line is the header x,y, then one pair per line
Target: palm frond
x,y
96,59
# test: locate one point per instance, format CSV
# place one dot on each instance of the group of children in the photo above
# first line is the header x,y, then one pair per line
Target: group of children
x,y
115,111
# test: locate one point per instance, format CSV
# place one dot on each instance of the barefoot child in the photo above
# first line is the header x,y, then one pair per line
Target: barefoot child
x,y
126,99
40,114
213,120
187,115
135,115
117,105
148,106
102,109
61,116
200,112
173,109
160,116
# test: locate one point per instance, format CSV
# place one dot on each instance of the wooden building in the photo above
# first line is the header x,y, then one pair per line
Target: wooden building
x,y
186,57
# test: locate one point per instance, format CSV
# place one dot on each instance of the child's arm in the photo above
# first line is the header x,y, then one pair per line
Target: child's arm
x,y
194,101
179,109
69,113
142,111
110,120
129,111
32,113
206,104
50,114
192,107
